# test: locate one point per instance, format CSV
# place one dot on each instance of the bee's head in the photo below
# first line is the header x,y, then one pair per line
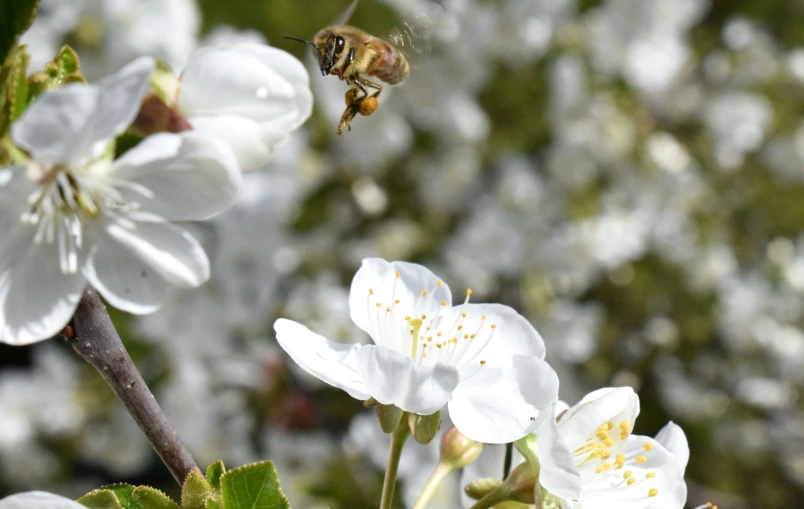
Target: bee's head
x,y
327,48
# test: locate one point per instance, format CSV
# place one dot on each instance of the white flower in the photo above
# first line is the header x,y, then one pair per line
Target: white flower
x,y
74,216
484,359
38,500
590,460
594,438
249,95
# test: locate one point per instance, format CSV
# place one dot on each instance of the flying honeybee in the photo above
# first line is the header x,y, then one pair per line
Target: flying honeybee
x,y
349,53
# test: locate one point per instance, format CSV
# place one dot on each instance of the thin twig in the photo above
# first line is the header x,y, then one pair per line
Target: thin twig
x,y
97,341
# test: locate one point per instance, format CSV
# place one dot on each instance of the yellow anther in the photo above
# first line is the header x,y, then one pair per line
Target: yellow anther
x,y
397,275
424,293
709,504
631,480
603,467
468,291
466,336
460,327
623,435
620,456
424,317
494,326
641,459
627,474
609,442
653,492
379,305
650,475
463,315
472,336
430,338
602,435
619,464
424,355
443,303
407,318
439,283
482,363
388,309
439,345
483,317
396,301
371,292
439,334
603,427
648,446
625,426
605,455
609,425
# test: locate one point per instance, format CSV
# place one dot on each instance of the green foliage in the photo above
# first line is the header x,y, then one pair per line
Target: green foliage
x,y
195,491
253,486
13,88
424,427
214,474
248,487
389,416
17,16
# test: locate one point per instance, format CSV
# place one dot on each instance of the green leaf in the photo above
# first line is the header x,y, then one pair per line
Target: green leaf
x,y
151,498
389,417
100,499
253,486
211,504
195,492
13,88
125,495
214,473
424,427
16,17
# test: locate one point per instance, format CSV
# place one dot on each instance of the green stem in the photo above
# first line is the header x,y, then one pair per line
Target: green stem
x,y
398,437
439,474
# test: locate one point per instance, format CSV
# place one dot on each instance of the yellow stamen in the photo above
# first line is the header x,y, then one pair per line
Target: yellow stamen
x,y
424,293
650,475
653,492
631,481
627,474
641,459
648,446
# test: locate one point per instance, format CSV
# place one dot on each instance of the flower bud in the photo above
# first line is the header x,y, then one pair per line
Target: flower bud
x,y
479,488
457,450
520,484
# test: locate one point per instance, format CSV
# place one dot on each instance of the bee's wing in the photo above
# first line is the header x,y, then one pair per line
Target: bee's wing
x,y
414,33
344,18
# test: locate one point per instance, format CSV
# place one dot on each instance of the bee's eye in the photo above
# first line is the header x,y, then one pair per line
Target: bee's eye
x,y
339,42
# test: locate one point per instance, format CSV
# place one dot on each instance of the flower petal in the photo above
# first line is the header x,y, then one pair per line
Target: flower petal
x,y
672,438
393,378
652,466
608,405
253,81
127,282
188,176
171,251
63,125
36,298
242,135
505,401
38,500
376,289
559,474
334,363
470,333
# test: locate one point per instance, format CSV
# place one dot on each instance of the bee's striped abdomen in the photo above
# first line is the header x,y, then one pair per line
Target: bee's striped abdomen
x,y
390,66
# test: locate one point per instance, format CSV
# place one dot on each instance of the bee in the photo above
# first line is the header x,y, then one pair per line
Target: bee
x,y
350,53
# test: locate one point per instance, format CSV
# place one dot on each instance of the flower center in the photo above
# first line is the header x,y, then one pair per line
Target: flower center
x,y
599,449
64,199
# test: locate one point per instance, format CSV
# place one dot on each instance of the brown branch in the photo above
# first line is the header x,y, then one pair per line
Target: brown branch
x,y
95,339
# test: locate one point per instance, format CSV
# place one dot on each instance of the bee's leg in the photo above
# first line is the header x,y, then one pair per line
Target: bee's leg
x,y
353,100
363,82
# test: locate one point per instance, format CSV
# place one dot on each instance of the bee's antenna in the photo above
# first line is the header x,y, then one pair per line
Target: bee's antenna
x,y
300,40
